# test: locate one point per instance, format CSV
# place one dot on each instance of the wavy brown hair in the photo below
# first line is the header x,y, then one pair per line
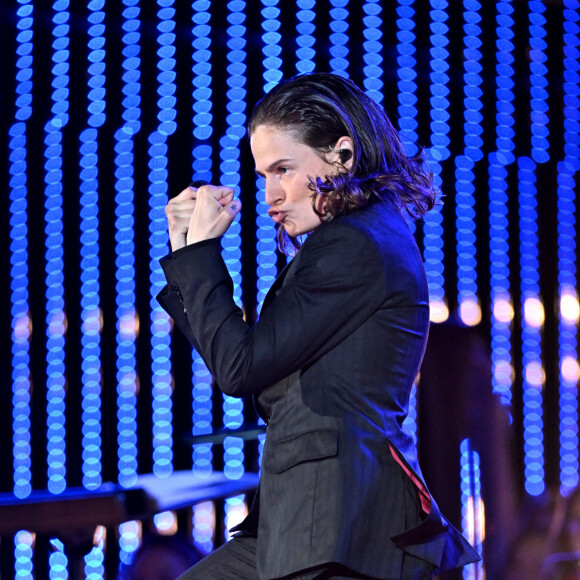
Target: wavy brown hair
x,y
316,110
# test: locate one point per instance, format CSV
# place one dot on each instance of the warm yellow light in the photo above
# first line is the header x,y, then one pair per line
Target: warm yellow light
x,y
438,311
475,520
534,312
535,374
129,325
165,523
100,537
570,369
22,328
569,307
24,537
503,373
503,310
470,312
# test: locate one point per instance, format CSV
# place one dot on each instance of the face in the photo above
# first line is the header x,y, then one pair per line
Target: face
x,y
287,166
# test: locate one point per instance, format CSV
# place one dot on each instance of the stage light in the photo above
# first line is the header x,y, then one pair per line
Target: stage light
x,y
233,408
19,281
271,48
531,332
472,507
534,312
23,554
470,312
439,312
90,273
503,311
130,535
467,290
204,525
567,250
501,300
161,378
58,563
407,74
203,516
534,374
126,314
305,38
438,152
538,81
373,70
54,268
410,422
339,37
569,308
165,523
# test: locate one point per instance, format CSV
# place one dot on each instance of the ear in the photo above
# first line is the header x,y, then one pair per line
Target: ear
x,y
343,152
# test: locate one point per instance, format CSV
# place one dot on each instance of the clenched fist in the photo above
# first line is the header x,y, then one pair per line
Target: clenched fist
x,y
202,213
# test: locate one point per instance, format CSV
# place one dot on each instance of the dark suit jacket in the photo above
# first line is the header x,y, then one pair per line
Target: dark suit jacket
x,y
330,364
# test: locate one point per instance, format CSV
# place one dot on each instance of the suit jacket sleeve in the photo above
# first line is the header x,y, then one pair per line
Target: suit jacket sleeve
x,y
336,282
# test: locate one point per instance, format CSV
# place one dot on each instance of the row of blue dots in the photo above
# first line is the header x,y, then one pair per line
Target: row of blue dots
x,y
305,39
373,69
433,220
55,314
231,242
161,378
89,225
498,210
202,170
90,302
531,334
567,246
339,37
464,164
125,248
19,296
538,81
471,504
407,75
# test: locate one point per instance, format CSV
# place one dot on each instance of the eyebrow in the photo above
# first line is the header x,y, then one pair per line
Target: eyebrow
x,y
272,166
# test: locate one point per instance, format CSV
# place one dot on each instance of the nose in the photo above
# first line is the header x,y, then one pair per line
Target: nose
x,y
274,193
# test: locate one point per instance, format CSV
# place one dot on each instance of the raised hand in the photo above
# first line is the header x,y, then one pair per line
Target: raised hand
x,y
215,210
179,211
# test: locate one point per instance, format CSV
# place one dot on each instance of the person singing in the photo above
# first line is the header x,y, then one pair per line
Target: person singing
x,y
331,361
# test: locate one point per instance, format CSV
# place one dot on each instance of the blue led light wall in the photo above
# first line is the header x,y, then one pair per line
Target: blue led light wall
x,y
438,152
158,197
567,253
203,514
112,108
19,281
54,266
126,315
233,448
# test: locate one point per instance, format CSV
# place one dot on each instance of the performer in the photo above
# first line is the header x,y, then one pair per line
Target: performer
x,y
331,361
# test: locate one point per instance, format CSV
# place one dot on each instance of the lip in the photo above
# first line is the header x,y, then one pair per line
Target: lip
x,y
277,215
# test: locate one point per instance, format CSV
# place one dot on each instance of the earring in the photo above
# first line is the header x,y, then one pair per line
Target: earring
x,y
343,154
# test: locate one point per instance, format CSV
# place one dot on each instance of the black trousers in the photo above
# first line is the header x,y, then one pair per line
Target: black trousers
x,y
236,560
